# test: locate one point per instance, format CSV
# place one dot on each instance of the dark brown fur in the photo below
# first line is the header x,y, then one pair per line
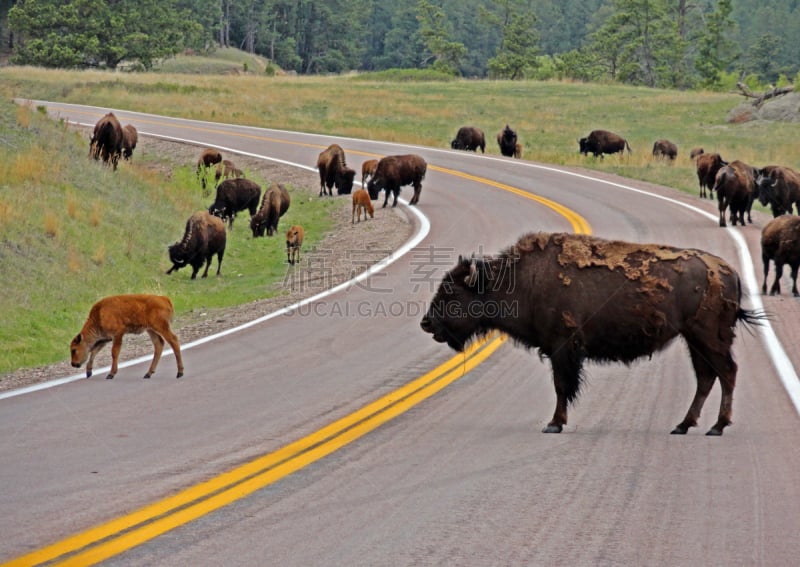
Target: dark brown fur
x,y
107,139
696,152
130,137
234,195
469,138
780,242
274,205
333,170
665,149
507,140
735,185
203,237
600,142
226,169
779,187
578,298
294,241
395,171
117,315
707,167
208,157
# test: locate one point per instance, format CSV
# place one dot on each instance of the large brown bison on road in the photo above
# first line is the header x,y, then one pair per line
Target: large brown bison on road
x,y
469,138
779,187
234,195
107,139
393,172
333,170
780,242
600,142
114,316
274,205
578,298
735,185
707,167
203,237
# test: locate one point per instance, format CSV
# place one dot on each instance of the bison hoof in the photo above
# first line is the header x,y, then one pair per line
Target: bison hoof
x,y
180,375
714,432
110,377
146,375
552,428
679,430
88,373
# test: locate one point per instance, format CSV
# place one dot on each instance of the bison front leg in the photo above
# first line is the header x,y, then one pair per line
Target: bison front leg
x,y
417,191
116,347
98,346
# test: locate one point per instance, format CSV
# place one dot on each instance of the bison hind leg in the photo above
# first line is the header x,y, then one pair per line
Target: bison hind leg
x,y
707,366
158,347
567,366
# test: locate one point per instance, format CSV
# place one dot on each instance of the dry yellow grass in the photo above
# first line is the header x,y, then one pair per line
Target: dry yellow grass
x,y
74,263
73,206
99,256
96,214
52,226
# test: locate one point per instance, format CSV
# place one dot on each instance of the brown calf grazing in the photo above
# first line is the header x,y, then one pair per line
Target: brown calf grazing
x,y
333,170
361,201
395,171
577,298
665,149
294,241
208,157
106,141
780,242
518,150
226,170
117,315
368,170
274,205
203,237
130,137
707,167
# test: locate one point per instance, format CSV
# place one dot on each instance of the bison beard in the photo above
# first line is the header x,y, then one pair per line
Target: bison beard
x,y
578,298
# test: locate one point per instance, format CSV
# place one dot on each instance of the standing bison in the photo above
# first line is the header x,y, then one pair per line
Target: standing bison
x,y
130,137
600,142
780,242
274,205
469,138
507,140
203,237
707,167
333,170
234,195
208,157
107,139
665,149
779,187
393,172
578,298
735,185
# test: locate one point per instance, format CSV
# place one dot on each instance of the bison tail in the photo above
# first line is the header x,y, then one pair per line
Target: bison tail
x,y
752,317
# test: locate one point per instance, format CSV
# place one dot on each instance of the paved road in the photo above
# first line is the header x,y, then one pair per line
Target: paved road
x,y
461,478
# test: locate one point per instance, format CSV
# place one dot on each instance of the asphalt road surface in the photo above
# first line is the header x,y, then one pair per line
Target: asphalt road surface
x,y
334,435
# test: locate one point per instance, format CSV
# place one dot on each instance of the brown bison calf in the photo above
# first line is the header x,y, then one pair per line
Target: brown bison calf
x,y
395,171
114,316
130,137
361,201
333,170
780,242
368,170
578,298
294,241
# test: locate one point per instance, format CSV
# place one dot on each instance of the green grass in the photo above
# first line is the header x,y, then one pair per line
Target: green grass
x,y
72,231
46,276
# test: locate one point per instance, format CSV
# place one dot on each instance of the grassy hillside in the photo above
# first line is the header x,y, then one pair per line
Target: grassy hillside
x,y
72,230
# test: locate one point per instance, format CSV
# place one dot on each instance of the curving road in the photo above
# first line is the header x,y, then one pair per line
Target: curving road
x,y
262,460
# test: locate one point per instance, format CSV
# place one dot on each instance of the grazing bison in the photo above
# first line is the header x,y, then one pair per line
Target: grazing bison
x,y
203,237
114,316
333,170
578,298
274,205
507,140
469,138
395,171
130,137
361,201
226,169
707,167
665,149
368,170
780,242
735,185
695,152
107,139
294,241
208,157
600,142
234,195
779,187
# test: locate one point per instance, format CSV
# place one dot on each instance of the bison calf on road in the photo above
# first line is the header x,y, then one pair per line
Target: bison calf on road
x,y
117,315
780,242
393,172
333,170
203,237
274,205
600,142
469,138
578,298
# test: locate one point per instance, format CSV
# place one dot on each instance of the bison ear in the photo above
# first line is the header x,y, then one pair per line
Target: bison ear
x,y
472,279
77,339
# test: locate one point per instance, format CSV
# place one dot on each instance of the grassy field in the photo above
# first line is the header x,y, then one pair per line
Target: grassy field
x,y
75,244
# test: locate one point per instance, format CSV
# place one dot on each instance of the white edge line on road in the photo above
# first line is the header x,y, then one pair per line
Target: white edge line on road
x,y
425,227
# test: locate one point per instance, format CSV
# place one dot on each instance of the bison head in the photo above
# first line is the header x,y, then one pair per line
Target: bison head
x,y
584,145
258,226
78,351
373,189
344,181
178,257
458,311
765,188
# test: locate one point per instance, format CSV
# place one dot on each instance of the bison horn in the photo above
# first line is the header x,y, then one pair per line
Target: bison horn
x,y
472,278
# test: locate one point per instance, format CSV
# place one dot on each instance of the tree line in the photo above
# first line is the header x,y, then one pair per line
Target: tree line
x,y
656,43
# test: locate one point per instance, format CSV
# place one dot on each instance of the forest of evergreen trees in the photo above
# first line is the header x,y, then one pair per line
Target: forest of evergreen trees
x,y
658,43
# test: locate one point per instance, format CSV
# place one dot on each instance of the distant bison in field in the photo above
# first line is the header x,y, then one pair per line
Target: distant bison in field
x,y
707,167
600,142
294,241
234,195
469,138
578,298
130,137
780,242
696,152
114,316
665,149
361,201
779,187
333,170
274,205
226,169
203,237
107,139
507,140
735,185
208,157
395,171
